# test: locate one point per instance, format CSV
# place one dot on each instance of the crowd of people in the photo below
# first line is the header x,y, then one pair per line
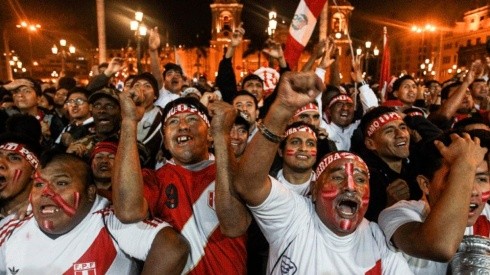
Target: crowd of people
x,y
163,176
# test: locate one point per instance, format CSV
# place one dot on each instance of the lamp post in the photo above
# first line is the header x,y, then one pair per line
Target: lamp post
x,y
369,53
139,31
71,50
271,29
428,28
31,28
426,69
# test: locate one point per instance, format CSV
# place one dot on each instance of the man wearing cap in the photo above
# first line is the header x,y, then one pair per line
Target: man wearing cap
x,y
150,126
391,161
107,119
326,234
18,162
182,191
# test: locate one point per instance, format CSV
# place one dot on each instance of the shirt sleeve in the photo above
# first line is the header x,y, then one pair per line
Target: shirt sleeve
x,y
135,239
368,98
399,214
281,212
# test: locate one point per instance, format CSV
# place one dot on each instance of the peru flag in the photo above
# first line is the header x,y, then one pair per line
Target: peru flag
x,y
301,28
385,75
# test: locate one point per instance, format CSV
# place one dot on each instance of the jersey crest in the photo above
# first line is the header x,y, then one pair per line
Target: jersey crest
x,y
172,196
84,269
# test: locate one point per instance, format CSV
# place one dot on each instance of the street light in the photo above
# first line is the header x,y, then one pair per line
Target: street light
x,y
71,50
271,29
369,53
30,27
139,31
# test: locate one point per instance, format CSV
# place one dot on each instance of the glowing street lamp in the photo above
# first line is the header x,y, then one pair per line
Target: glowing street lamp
x,y
140,31
30,27
272,24
64,52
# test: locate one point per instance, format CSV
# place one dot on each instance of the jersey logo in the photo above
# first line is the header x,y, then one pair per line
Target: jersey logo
x,y
13,271
211,199
287,266
172,196
84,269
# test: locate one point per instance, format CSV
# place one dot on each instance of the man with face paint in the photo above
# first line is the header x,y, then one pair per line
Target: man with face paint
x,y
323,235
298,151
456,186
73,231
18,161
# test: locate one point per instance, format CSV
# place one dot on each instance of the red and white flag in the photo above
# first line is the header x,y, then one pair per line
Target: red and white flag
x,y
301,28
385,75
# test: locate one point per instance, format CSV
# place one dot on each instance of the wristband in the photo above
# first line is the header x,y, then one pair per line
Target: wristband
x,y
363,82
268,134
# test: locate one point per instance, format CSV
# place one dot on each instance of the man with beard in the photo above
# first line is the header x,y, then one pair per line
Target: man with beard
x,y
456,186
387,138
74,231
327,233
107,119
248,107
18,162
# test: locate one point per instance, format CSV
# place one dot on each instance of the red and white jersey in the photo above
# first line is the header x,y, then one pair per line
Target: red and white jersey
x,y
185,198
100,244
404,212
300,243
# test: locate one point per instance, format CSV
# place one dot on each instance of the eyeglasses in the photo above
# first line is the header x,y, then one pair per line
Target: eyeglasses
x,y
77,101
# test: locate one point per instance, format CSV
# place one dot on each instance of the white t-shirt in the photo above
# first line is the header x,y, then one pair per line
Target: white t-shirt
x,y
404,212
89,248
164,97
301,244
303,189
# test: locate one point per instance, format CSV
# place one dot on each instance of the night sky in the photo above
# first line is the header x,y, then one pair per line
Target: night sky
x,y
187,22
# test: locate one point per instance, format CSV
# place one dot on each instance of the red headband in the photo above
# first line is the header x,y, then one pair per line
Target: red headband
x,y
308,107
376,124
306,129
339,98
104,146
328,159
23,151
184,108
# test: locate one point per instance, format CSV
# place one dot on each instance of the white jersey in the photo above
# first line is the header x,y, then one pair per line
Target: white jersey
x,y
164,97
404,212
100,244
301,244
303,189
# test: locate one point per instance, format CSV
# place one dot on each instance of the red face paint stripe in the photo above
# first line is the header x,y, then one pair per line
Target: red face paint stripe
x,y
290,152
17,175
345,224
485,196
349,170
329,194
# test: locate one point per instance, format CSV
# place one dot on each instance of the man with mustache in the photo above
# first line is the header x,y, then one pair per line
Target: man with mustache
x,y
326,234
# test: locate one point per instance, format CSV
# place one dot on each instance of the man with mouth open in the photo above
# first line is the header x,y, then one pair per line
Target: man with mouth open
x,y
73,231
185,191
326,234
456,186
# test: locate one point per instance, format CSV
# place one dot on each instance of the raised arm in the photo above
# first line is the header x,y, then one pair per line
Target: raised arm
x,y
127,180
295,90
439,236
102,80
153,45
451,105
233,215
